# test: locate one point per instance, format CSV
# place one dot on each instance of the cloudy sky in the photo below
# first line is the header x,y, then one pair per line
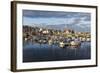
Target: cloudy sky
x,y
80,19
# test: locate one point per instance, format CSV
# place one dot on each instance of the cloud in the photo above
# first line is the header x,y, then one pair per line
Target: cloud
x,y
78,20
53,14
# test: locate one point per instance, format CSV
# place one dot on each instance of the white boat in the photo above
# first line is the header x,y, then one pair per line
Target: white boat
x,y
88,39
50,42
75,43
61,44
83,39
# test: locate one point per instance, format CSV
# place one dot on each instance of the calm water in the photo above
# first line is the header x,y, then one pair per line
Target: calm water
x,y
44,52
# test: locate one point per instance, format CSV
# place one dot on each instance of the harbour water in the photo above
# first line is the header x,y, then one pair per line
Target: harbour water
x,y
33,52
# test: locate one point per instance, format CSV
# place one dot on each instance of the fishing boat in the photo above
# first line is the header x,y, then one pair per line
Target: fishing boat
x,y
75,43
50,42
83,39
88,39
62,44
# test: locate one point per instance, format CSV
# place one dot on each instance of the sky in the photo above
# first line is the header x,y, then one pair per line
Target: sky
x,y
80,19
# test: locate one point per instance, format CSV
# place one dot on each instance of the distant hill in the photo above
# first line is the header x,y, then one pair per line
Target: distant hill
x,y
81,28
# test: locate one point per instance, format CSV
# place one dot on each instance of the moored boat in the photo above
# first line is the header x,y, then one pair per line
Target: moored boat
x,y
61,44
50,42
75,43
88,39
